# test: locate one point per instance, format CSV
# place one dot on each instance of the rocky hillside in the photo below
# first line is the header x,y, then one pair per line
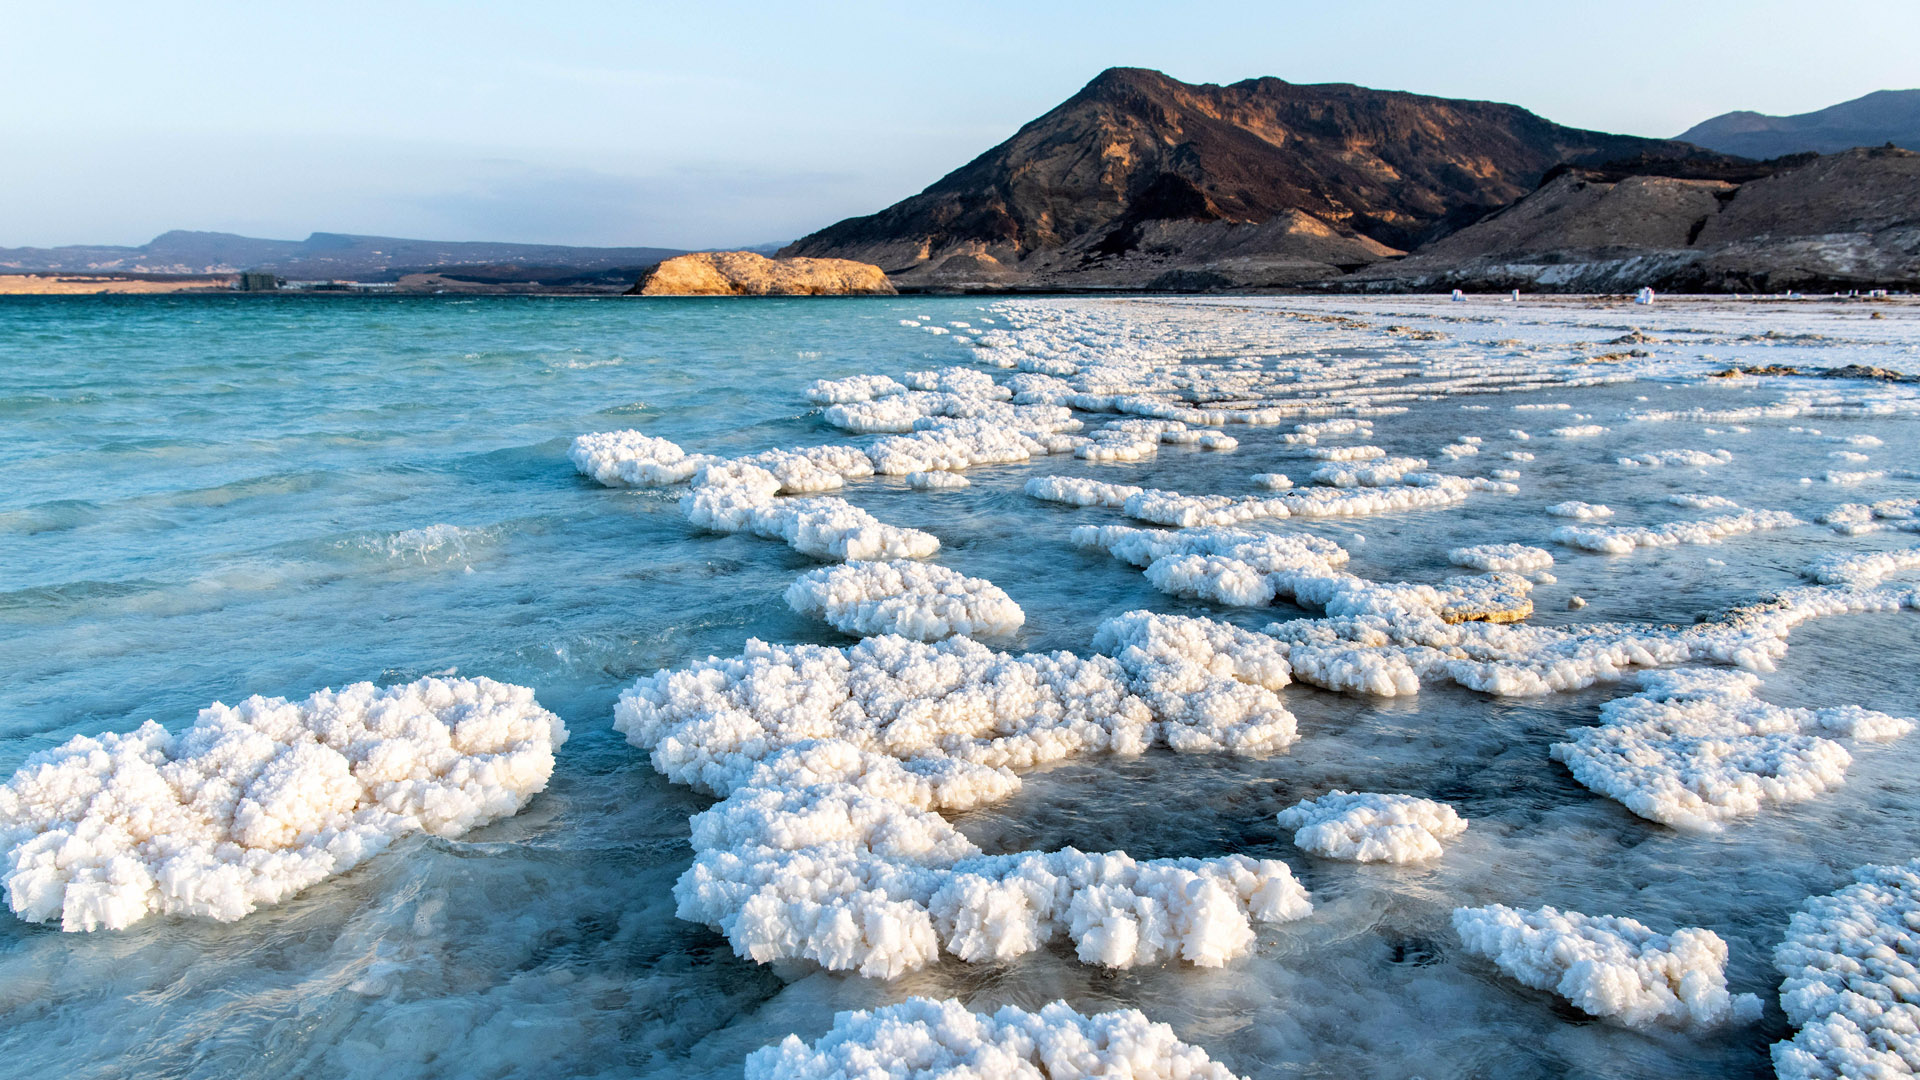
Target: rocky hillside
x,y
1848,220
1142,180
1884,116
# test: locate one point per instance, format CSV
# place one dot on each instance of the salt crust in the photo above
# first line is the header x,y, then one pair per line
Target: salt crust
x,y
827,844
1079,491
924,1039
1661,458
1862,569
937,481
1251,569
1621,539
1367,827
1573,508
1515,558
1857,519
258,801
1609,966
1697,749
911,599
1851,985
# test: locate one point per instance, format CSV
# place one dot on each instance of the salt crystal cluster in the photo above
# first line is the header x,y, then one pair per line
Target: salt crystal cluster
x,y
1369,827
1513,558
1851,962
1697,749
911,599
255,802
834,764
1621,539
1609,966
924,1039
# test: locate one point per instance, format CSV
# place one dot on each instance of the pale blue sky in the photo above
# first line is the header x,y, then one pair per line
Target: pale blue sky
x,y
717,123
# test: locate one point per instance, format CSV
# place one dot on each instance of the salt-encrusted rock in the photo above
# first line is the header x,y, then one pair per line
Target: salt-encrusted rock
x,y
1368,827
1696,749
744,273
1609,966
924,1039
258,801
1852,966
911,599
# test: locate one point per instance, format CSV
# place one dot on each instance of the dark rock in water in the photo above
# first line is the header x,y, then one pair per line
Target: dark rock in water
x,y
1262,183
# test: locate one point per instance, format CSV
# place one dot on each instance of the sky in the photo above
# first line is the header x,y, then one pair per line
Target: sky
x,y
723,124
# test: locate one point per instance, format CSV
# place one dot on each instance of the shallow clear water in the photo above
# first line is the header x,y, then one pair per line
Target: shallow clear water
x,y
206,498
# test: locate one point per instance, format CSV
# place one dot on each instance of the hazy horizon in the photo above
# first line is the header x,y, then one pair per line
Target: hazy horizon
x,y
623,126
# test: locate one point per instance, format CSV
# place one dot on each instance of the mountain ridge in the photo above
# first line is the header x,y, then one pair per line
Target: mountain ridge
x,y
1139,174
1875,119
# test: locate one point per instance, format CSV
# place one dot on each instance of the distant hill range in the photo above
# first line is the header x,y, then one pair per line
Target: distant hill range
x,y
1140,181
340,255
1884,116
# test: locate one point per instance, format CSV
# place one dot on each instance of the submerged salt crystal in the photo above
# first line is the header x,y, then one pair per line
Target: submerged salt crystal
x,y
1609,966
1697,749
924,1039
1367,827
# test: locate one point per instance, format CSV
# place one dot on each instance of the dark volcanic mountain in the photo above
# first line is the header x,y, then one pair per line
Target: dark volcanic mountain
x,y
1884,116
321,255
1142,179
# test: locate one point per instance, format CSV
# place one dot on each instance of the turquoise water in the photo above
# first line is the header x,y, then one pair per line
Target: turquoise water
x,y
207,498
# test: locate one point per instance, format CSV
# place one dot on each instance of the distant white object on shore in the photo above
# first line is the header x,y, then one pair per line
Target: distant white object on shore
x,y
1644,296
1458,296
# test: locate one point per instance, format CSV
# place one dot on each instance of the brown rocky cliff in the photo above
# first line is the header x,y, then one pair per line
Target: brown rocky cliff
x,y
1139,173
744,273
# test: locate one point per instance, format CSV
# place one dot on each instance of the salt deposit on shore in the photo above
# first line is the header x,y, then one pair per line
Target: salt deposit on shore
x,y
256,802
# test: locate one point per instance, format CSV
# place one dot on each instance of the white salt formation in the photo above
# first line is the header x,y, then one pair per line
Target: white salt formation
x,y
1661,458
1609,966
1367,827
924,1039
631,459
256,802
824,527
1514,558
1621,539
1251,569
1696,749
833,764
1580,511
911,599
1863,569
1079,491
937,481
1852,966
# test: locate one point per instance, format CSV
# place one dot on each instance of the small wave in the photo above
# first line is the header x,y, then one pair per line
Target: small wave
x,y
57,516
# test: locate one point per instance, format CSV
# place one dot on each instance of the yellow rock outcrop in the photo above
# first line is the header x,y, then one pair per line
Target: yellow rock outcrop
x,y
743,273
